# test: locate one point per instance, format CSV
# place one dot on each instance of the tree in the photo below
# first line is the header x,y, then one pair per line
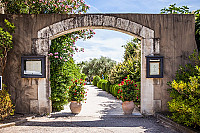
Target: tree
x,y
98,67
6,43
44,6
130,66
172,9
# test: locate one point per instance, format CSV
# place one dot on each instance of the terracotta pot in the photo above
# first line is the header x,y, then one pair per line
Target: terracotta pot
x,y
128,107
75,107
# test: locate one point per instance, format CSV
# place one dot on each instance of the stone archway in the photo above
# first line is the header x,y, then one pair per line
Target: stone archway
x,y
169,35
150,46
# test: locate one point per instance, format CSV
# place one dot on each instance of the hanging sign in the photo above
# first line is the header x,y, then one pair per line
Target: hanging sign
x,y
154,66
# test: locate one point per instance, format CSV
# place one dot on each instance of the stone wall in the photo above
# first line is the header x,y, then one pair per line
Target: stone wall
x,y
171,36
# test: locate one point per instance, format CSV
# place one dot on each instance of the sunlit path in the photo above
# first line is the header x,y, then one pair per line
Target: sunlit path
x,y
100,103
101,113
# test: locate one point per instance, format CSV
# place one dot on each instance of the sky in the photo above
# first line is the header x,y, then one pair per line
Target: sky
x,y
108,43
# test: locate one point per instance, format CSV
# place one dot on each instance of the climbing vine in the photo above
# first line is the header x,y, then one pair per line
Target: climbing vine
x,y
63,69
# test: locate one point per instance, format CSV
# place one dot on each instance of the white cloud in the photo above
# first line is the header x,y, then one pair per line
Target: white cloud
x,y
103,45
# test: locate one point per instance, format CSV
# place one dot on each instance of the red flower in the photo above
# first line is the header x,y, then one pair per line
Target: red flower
x,y
81,79
84,83
80,82
123,79
76,81
75,94
135,85
75,90
126,77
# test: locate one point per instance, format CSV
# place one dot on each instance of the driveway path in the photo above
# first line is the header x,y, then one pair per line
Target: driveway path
x,y
101,113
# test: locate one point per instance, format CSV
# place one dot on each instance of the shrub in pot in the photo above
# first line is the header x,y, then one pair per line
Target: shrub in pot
x,y
77,94
126,93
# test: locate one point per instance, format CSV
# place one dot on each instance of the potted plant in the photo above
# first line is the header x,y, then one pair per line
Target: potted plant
x,y
77,94
126,93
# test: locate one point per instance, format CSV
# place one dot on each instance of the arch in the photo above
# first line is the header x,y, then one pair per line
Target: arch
x,y
150,46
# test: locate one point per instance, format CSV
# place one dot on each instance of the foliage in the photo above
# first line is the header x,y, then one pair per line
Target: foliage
x,y
131,64
126,90
98,67
102,84
197,28
6,43
99,84
185,93
77,91
96,80
44,6
62,68
172,9
107,86
6,106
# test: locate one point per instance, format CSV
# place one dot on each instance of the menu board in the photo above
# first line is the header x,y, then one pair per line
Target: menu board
x,y
154,68
33,67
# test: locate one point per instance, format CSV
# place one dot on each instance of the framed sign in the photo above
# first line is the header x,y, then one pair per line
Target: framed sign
x,y
33,66
154,66
0,82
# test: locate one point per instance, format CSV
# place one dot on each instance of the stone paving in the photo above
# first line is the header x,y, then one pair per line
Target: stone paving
x,y
102,113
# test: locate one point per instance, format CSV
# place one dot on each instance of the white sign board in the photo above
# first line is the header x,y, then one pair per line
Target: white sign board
x,y
154,68
33,67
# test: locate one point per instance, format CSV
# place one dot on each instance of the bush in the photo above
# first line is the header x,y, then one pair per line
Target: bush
x,y
99,84
96,79
6,106
185,93
107,87
103,85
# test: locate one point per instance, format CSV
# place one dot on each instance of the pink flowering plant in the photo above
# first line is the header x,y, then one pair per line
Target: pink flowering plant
x,y
128,90
45,6
77,91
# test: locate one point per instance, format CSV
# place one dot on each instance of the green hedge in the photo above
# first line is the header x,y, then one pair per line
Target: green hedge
x,y
114,89
107,87
103,85
96,79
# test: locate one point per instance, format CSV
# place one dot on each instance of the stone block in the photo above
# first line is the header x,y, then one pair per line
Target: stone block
x,y
122,23
41,46
148,47
32,92
157,105
97,20
34,106
109,21
134,28
44,33
56,28
146,33
68,24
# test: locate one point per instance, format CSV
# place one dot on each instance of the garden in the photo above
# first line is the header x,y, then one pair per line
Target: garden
x,y
122,80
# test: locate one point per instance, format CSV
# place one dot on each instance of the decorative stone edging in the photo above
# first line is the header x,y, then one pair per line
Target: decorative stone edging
x,y
17,122
174,125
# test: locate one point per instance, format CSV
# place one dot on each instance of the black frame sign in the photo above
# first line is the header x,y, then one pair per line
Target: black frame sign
x,y
154,66
0,82
33,66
